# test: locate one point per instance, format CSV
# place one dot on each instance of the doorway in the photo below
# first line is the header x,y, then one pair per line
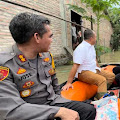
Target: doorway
x,y
76,31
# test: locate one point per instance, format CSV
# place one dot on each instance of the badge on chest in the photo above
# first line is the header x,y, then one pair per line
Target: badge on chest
x,y
28,84
21,71
25,93
51,71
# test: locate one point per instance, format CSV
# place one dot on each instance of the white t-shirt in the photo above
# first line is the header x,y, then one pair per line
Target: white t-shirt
x,y
85,55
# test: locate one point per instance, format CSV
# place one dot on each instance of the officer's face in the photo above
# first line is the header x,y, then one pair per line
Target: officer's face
x,y
46,40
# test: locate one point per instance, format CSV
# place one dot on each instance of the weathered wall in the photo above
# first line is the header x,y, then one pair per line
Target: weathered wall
x,y
61,29
7,11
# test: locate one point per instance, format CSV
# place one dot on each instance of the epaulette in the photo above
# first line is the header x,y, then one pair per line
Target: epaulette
x,y
46,54
5,56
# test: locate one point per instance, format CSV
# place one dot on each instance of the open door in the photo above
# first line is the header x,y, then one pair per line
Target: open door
x,y
76,31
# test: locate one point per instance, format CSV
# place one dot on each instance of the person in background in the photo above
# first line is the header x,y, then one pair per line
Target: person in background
x,y
29,88
86,68
79,35
74,35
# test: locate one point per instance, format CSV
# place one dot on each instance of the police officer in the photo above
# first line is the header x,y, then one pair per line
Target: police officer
x,y
29,88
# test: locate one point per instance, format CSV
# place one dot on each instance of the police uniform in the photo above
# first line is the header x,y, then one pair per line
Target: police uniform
x,y
21,84
28,91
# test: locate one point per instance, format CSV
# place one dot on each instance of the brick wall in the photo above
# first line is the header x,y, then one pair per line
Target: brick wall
x,y
7,11
105,26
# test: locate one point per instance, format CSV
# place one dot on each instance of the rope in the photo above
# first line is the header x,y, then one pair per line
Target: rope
x,y
42,12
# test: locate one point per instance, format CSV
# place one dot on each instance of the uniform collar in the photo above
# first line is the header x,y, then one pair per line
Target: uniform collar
x,y
20,58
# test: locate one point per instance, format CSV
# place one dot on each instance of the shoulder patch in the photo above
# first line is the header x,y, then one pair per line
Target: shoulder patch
x,y
4,71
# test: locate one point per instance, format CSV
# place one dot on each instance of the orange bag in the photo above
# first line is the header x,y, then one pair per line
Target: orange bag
x,y
81,91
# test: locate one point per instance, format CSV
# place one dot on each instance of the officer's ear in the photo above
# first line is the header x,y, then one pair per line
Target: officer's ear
x,y
37,37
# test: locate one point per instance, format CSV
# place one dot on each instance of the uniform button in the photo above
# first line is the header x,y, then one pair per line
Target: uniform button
x,y
12,53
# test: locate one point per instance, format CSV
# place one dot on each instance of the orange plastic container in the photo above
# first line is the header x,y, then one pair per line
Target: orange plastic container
x,y
81,91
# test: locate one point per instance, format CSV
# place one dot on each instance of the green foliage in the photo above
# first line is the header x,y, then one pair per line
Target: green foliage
x,y
77,8
115,40
89,18
99,7
114,14
80,10
100,50
116,2
104,16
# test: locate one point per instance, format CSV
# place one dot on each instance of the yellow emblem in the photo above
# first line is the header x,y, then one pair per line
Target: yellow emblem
x,y
4,71
21,70
22,58
53,64
46,59
25,93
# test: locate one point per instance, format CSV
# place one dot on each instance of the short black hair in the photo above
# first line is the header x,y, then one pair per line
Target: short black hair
x,y
88,33
24,25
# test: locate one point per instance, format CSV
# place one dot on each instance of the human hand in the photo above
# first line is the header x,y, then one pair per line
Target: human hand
x,y
67,114
67,86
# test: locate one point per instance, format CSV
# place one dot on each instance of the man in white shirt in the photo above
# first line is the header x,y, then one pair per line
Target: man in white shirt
x,y
86,67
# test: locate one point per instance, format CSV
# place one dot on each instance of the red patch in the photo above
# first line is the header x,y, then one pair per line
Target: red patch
x,y
4,71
